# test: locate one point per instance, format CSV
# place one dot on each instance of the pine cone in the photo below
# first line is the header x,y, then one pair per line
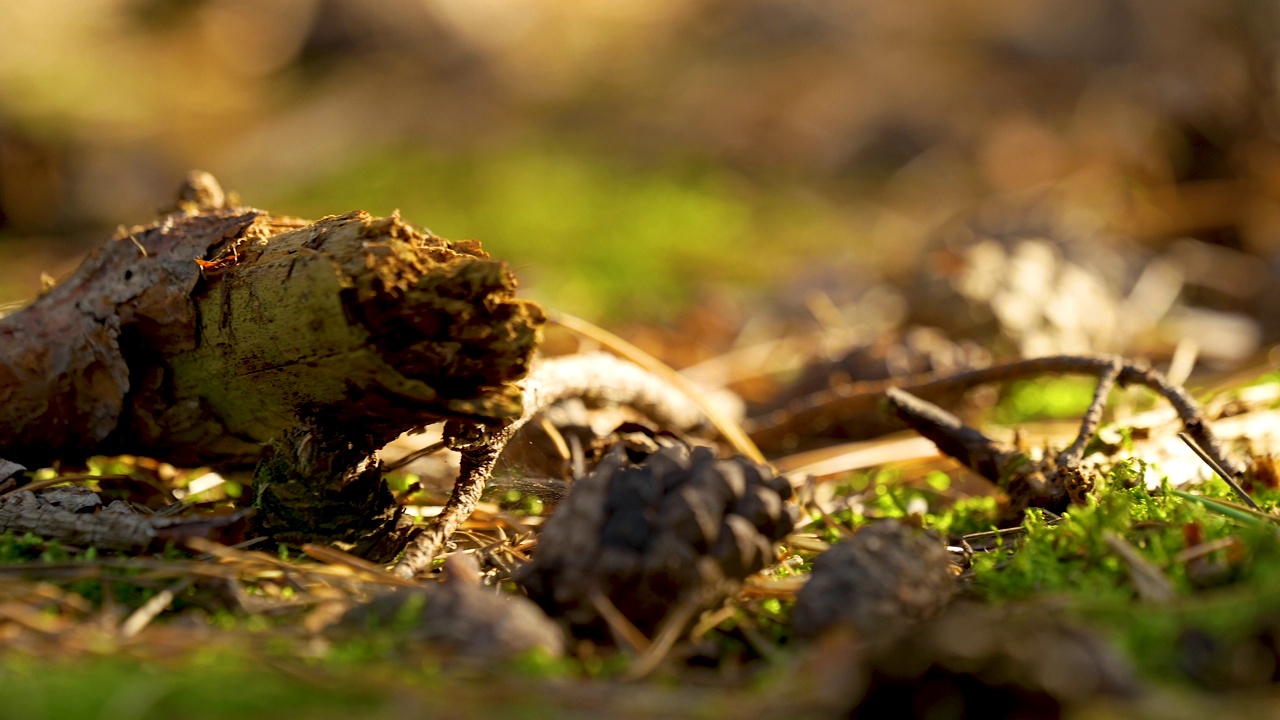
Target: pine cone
x,y
649,531
885,578
459,616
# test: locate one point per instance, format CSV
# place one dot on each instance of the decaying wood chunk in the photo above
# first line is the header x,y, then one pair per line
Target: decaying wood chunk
x,y
201,337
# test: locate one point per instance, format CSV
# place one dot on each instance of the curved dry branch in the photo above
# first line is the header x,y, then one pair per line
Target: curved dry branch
x,y
1051,483
819,409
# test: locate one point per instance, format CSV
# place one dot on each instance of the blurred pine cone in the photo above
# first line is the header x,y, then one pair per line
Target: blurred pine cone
x,y
458,616
653,529
885,578
973,660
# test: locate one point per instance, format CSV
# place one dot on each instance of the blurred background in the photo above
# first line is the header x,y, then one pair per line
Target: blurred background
x,y
694,164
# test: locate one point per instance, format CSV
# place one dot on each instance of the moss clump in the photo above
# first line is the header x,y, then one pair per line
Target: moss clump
x,y
1225,571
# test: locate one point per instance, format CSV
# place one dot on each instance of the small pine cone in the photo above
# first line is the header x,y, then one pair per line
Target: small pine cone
x,y
458,616
885,578
650,531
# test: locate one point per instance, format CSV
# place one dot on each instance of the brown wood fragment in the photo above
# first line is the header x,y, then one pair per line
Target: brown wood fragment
x,y
201,337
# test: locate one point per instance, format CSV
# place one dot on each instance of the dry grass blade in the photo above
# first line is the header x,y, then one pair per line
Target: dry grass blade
x,y
333,556
847,457
1217,468
1148,580
623,630
152,608
726,426
668,633
230,554
431,449
781,588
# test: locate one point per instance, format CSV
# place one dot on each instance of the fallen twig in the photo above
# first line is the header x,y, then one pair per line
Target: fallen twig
x,y
1071,457
854,397
819,409
1046,484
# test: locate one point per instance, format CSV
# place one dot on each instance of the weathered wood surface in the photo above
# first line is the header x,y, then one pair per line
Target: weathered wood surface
x,y
203,336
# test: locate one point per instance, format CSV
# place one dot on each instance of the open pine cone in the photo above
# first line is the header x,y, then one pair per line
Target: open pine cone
x,y
654,529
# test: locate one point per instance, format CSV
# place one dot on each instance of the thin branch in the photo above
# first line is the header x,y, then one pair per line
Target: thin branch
x,y
953,437
1071,457
820,409
418,454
